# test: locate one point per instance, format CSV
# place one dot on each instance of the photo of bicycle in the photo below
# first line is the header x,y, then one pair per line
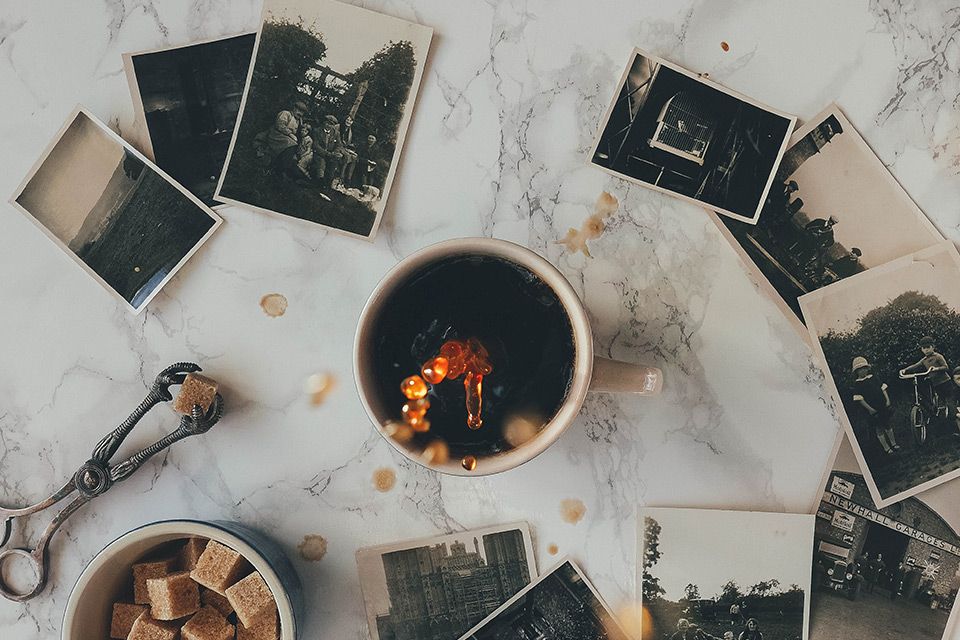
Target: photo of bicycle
x,y
890,338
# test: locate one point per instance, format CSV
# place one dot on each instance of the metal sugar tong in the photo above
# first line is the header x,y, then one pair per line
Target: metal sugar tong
x,y
97,475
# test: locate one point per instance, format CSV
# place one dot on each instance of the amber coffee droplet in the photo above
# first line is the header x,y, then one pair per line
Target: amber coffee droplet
x,y
437,452
435,370
413,387
469,462
473,385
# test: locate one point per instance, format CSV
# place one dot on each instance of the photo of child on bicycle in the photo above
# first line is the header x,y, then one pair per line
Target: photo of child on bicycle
x,y
890,339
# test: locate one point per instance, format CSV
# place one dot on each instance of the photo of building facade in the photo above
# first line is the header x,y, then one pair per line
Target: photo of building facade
x,y
438,592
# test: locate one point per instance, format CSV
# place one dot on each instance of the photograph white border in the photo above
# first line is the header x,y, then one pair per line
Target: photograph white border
x,y
140,135
403,127
756,275
217,220
862,279
403,545
642,512
701,78
546,574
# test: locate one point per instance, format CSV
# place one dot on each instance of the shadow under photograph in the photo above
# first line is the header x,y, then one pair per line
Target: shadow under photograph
x,y
114,213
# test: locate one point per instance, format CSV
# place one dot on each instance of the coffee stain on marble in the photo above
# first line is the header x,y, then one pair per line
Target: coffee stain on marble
x,y
572,510
318,386
313,547
725,45
553,549
274,304
593,226
384,479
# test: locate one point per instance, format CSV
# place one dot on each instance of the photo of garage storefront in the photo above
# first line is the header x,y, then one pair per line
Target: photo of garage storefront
x,y
881,573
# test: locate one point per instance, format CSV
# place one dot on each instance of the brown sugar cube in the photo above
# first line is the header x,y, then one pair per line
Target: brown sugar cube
x,y
124,615
190,553
147,628
218,567
251,599
196,389
173,596
207,624
266,628
142,572
211,598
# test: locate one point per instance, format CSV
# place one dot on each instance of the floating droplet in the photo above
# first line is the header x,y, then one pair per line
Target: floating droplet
x,y
413,387
725,46
469,462
518,429
437,452
399,431
434,370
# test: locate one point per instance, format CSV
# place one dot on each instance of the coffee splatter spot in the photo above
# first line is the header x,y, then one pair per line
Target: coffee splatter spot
x,y
552,549
593,226
313,548
274,304
318,387
725,46
572,510
384,478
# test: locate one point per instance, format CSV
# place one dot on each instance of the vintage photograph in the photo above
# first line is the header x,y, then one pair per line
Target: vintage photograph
x,y
834,210
561,605
123,220
185,103
437,588
329,98
673,131
890,339
890,572
724,575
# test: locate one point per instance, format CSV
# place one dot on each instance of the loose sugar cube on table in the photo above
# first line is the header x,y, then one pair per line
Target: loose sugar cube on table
x,y
251,599
218,567
143,571
124,615
190,553
265,628
147,628
173,596
211,598
195,390
207,624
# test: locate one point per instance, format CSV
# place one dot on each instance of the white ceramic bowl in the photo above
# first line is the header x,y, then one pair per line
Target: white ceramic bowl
x,y
89,607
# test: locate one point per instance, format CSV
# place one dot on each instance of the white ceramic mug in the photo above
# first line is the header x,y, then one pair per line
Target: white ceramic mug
x,y
590,373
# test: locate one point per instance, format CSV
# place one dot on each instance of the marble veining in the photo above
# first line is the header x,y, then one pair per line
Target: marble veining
x,y
512,96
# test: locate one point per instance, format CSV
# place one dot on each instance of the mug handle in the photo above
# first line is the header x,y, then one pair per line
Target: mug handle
x,y
612,376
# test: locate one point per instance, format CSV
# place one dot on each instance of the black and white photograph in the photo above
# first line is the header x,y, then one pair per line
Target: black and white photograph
x,y
437,588
834,210
724,575
679,133
883,573
185,103
561,605
327,105
890,340
118,216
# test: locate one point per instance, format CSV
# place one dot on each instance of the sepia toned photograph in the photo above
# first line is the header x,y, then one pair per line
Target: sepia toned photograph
x,y
890,340
561,605
118,216
185,103
327,105
676,132
724,575
834,210
439,587
883,572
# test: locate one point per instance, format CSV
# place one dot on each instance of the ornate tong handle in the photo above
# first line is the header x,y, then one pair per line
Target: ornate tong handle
x,y
96,475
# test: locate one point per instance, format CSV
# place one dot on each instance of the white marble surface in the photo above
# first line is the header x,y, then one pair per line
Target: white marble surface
x,y
512,96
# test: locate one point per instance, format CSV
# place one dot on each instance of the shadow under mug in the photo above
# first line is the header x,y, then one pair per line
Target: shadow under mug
x,y
590,373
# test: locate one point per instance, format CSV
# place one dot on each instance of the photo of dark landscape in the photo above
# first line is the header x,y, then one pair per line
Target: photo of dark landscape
x,y
562,605
672,131
187,99
437,589
120,218
325,113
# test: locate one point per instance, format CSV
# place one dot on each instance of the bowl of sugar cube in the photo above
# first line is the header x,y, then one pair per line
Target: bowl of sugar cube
x,y
186,580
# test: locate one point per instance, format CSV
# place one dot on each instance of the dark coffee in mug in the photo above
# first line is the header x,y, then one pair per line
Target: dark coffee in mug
x,y
517,318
